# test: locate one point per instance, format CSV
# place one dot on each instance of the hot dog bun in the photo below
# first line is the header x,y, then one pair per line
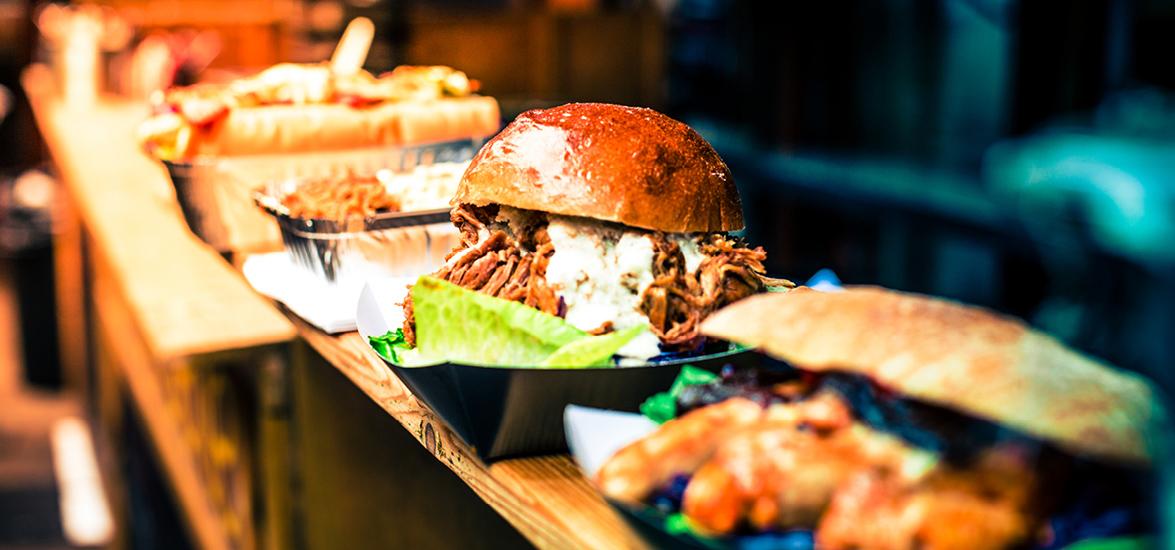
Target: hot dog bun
x,y
326,127
292,108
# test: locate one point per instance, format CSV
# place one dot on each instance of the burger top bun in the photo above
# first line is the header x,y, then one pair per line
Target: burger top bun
x,y
959,357
629,165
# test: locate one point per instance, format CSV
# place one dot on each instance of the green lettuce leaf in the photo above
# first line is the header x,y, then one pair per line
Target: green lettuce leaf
x,y
456,324
676,524
1116,543
388,345
662,407
393,347
592,351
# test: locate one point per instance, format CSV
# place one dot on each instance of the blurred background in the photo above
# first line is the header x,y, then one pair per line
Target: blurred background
x,y
1014,154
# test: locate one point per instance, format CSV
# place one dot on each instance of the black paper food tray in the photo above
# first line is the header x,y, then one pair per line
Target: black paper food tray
x,y
505,412
649,523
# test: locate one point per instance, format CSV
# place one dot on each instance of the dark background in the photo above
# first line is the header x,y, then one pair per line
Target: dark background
x,y
1018,155
1013,154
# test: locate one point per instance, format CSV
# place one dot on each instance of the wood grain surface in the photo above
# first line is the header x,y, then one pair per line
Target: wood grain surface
x,y
160,297
183,297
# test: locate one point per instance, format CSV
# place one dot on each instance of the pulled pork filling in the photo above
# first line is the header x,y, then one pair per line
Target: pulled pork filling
x,y
497,259
679,298
506,253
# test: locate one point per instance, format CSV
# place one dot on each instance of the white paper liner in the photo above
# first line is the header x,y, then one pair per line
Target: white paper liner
x,y
330,307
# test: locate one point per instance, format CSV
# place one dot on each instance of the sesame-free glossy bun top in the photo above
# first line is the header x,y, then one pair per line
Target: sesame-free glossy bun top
x,y
629,165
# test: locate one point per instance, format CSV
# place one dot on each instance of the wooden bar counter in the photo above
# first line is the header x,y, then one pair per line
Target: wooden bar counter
x,y
160,298
140,300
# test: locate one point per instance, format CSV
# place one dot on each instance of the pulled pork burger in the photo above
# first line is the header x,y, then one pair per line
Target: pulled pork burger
x,y
904,422
609,217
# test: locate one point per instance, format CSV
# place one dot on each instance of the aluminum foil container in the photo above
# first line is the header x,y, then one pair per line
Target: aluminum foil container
x,y
395,244
391,244
216,195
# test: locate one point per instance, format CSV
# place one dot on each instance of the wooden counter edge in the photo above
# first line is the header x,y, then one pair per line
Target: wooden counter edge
x,y
271,327
562,510
138,360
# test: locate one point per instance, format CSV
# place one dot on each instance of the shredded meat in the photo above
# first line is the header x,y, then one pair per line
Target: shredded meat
x,y
678,301
511,263
340,198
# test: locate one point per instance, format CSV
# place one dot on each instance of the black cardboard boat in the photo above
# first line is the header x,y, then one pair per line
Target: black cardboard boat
x,y
505,412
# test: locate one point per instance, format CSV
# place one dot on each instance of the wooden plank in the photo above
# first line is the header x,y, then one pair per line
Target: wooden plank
x,y
273,447
183,298
119,336
161,297
546,498
69,283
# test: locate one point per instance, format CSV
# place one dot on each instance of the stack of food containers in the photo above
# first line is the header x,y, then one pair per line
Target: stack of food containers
x,y
296,122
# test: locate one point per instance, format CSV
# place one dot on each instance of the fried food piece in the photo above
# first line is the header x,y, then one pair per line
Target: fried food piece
x,y
809,464
986,506
823,412
677,447
774,476
785,472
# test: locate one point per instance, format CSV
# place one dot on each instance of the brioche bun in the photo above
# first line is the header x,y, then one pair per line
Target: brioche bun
x,y
628,165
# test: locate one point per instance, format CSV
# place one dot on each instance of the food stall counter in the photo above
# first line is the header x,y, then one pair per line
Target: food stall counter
x,y
182,299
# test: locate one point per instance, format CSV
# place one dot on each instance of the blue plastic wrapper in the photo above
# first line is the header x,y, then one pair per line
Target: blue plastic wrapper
x,y
791,540
824,280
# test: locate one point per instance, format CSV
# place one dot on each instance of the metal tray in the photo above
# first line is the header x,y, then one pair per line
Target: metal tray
x,y
193,191
216,195
393,244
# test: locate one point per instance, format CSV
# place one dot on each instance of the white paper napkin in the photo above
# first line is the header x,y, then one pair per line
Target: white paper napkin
x,y
594,435
330,307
